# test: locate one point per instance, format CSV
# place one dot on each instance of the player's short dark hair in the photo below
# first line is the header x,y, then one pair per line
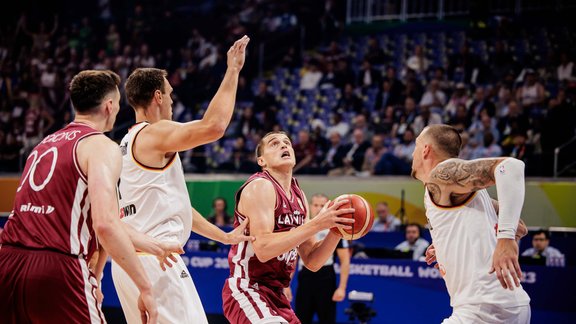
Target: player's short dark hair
x,y
88,88
141,85
446,138
260,146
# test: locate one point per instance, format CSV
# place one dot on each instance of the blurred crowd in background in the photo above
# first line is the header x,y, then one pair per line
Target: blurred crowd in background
x,y
352,101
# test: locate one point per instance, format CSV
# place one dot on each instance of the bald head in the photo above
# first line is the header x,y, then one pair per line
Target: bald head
x,y
445,138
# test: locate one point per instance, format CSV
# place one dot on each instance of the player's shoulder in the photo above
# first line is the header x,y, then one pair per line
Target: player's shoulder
x,y
98,144
259,185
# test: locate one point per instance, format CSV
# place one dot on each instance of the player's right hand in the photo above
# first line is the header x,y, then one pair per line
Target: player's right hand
x,y
329,217
431,255
148,308
167,257
237,53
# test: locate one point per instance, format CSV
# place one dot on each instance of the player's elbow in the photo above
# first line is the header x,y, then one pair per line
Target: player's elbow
x,y
103,229
216,128
313,266
262,253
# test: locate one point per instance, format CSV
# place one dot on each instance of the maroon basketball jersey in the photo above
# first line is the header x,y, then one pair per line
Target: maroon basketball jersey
x,y
52,206
288,214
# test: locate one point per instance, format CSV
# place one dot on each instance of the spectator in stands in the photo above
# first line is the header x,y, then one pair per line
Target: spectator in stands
x,y
305,152
368,76
344,75
349,101
484,124
427,117
541,246
384,96
467,147
399,161
406,118
414,242
242,159
385,222
337,123
373,154
489,147
464,66
418,61
247,124
565,70
434,98
531,94
460,117
515,121
520,149
265,103
335,154
354,157
374,53
396,86
311,76
219,215
360,122
328,77
458,97
480,102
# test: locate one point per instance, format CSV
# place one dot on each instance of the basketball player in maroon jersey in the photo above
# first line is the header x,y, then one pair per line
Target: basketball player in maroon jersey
x,y
276,209
66,198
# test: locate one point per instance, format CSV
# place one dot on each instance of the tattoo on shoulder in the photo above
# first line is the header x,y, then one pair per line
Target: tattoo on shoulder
x,y
434,191
476,174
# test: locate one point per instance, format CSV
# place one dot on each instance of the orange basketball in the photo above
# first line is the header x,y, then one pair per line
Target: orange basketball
x,y
362,215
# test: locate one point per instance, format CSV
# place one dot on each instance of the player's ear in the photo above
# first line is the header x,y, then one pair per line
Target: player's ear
x,y
426,151
261,162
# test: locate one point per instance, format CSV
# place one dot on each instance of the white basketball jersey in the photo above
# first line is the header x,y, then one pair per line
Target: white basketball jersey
x,y
465,239
154,200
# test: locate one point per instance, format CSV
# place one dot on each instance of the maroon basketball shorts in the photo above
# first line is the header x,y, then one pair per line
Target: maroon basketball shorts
x,y
244,303
42,286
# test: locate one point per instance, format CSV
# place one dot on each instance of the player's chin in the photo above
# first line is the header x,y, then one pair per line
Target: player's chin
x,y
413,174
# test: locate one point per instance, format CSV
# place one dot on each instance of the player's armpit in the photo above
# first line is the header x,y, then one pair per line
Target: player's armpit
x,y
461,176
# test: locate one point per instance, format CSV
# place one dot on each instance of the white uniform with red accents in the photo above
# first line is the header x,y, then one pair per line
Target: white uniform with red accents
x,y
465,238
155,201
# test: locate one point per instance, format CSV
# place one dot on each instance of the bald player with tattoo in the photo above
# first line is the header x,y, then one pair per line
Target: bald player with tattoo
x,y
474,238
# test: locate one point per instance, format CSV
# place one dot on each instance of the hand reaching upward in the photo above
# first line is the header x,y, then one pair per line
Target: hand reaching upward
x,y
237,53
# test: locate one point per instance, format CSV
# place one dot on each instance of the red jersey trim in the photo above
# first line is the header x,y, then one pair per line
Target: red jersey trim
x,y
142,165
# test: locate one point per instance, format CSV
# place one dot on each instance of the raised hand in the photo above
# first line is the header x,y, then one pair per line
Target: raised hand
x,y
237,53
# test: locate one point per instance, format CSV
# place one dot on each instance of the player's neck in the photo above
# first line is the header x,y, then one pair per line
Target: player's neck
x,y
91,122
146,115
284,178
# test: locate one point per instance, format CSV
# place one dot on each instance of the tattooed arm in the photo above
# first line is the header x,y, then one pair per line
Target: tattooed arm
x,y
458,177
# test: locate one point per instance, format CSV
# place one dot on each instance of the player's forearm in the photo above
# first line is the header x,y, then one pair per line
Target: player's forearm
x,y
509,178
271,245
344,269
221,107
143,242
315,258
100,263
115,240
202,226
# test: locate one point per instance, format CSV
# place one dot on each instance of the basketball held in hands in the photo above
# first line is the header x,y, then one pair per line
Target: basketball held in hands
x,y
363,217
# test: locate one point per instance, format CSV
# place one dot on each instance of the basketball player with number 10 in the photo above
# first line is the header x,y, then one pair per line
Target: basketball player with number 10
x,y
277,211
